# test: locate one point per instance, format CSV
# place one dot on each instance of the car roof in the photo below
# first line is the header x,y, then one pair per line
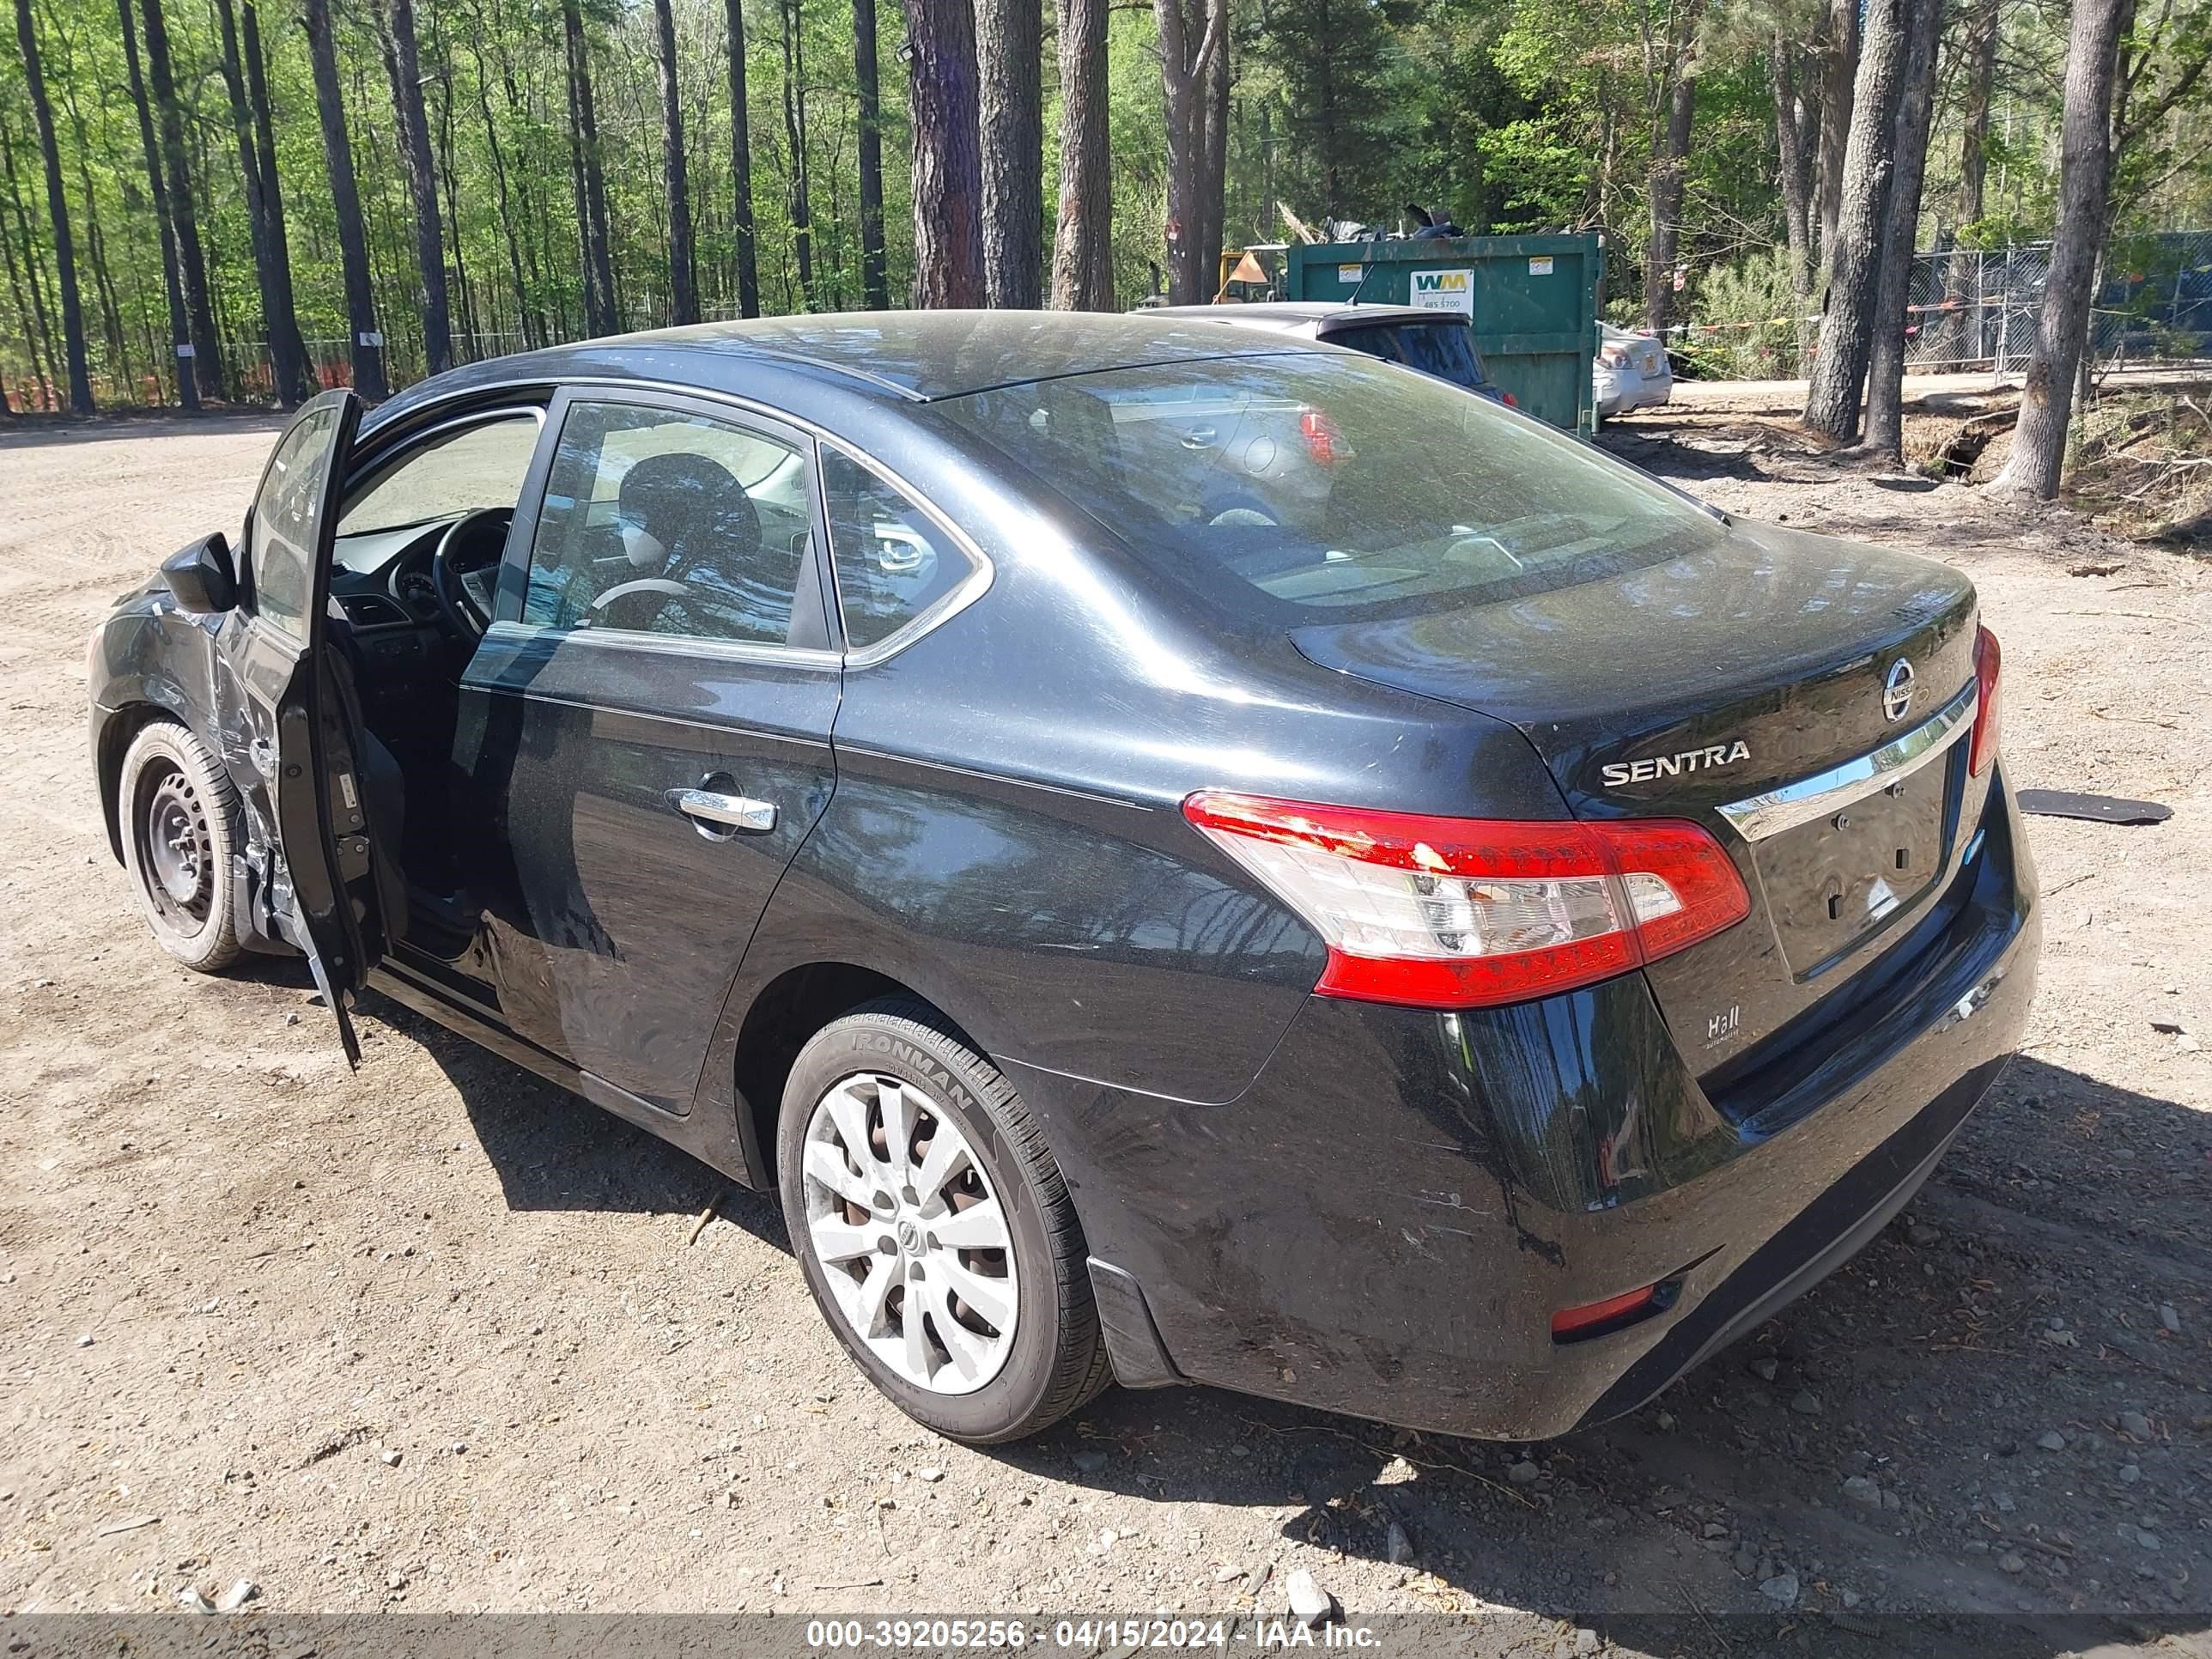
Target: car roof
x,y
1291,316
904,356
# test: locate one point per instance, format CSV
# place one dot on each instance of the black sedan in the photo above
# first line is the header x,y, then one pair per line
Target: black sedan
x,y
1454,935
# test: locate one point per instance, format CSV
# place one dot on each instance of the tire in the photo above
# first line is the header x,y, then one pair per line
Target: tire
x,y
894,1060
179,820
1237,507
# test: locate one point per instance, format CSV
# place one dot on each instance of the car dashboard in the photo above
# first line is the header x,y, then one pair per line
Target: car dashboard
x,y
381,580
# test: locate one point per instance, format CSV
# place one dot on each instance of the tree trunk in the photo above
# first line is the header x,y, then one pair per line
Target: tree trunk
x,y
401,63
1981,52
96,251
1885,419
2038,443
594,306
683,277
1082,247
1190,32
741,161
584,123
366,345
37,329
1213,177
32,314
1666,189
188,391
875,281
286,322
526,312
284,347
105,302
800,199
79,361
1840,37
1832,405
471,317
1324,119
948,168
192,264
535,209
1795,174
1009,47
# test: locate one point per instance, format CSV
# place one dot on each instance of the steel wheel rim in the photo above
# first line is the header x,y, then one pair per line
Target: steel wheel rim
x,y
910,1235
176,850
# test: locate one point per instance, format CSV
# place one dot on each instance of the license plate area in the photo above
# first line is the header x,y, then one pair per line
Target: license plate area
x,y
1832,882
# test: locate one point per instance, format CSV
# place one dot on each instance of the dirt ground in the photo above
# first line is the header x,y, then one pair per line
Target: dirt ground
x,y
436,1337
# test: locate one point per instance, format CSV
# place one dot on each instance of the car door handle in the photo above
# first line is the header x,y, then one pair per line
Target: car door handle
x,y
1198,437
718,816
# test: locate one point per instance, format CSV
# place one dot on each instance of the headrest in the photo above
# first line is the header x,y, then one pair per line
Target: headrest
x,y
692,505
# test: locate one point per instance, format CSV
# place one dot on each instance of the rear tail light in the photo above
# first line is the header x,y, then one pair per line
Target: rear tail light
x,y
1509,400
1989,712
1466,913
1601,1318
1324,442
1614,357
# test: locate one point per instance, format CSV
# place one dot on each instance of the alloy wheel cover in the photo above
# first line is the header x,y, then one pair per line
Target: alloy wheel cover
x,y
909,1233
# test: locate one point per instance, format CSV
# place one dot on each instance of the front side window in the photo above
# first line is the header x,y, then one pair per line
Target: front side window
x,y
661,522
456,471
1314,481
280,561
894,563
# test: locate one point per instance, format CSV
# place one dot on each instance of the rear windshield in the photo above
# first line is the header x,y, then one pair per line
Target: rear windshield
x,y
1443,350
1316,481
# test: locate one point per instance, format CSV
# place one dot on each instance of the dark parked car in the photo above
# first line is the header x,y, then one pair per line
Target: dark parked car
x,y
1458,957
1438,342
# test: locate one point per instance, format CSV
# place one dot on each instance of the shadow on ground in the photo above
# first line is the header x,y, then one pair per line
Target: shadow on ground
x,y
1927,1372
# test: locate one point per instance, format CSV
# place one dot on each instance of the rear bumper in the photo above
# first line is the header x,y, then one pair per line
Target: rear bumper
x,y
1385,1222
1618,393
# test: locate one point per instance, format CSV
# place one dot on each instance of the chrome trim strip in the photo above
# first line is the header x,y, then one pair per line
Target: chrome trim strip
x,y
1761,816
668,645
411,437
947,607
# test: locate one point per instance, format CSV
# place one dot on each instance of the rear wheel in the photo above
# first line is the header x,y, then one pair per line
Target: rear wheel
x,y
180,821
934,1229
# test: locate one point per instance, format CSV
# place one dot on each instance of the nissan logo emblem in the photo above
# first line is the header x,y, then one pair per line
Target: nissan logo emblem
x,y
1897,691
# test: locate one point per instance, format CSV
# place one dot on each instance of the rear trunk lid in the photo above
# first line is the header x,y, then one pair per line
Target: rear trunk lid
x,y
1708,686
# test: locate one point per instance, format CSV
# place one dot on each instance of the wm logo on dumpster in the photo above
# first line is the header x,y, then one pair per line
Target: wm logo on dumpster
x,y
1444,290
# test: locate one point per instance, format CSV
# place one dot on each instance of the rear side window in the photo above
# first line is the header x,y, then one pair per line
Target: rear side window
x,y
281,560
1443,350
1322,482
661,522
895,563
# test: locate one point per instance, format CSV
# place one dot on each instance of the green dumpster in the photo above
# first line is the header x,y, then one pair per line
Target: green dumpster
x,y
1533,301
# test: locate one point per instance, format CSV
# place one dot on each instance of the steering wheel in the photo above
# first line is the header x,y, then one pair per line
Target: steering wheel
x,y
472,545
637,604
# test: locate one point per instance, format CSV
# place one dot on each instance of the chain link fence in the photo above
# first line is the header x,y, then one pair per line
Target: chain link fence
x,y
1976,310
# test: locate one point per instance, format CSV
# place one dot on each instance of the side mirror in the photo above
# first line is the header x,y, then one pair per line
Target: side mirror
x,y
202,577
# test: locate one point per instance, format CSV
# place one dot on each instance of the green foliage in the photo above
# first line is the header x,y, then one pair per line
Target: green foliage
x,y
1745,323
2001,230
1510,115
1539,176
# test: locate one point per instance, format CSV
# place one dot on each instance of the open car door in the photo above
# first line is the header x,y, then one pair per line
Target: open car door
x,y
297,703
